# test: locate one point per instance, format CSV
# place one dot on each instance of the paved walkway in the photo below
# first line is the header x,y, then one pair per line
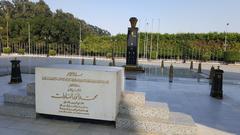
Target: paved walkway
x,y
213,117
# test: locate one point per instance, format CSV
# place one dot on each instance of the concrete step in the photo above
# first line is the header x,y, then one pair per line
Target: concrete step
x,y
149,110
178,124
31,89
17,110
137,133
133,98
19,98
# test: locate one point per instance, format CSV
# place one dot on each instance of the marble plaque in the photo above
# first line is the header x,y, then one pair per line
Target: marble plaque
x,y
91,92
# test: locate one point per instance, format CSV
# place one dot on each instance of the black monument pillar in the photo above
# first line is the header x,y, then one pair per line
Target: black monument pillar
x,y
217,84
16,72
132,42
132,47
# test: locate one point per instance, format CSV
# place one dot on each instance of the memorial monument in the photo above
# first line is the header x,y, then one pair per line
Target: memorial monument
x,y
79,91
94,93
132,47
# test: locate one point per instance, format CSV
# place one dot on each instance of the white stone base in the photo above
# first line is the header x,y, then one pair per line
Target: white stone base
x,y
152,117
133,98
148,110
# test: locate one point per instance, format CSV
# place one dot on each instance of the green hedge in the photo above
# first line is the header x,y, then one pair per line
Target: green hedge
x,y
231,56
7,50
52,53
21,51
206,56
153,54
109,55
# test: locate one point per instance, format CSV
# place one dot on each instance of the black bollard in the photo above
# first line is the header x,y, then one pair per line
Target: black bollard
x,y
216,90
200,67
70,61
16,72
211,75
171,74
94,61
82,61
162,64
184,59
113,61
191,65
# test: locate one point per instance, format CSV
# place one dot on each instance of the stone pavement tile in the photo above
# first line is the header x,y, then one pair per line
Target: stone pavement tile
x,y
229,125
1,99
65,131
60,127
206,130
29,126
97,127
5,122
64,124
87,132
42,121
41,133
90,131
7,131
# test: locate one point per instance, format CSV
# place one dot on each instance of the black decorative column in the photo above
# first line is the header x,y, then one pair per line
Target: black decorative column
x,y
132,47
217,84
16,72
132,42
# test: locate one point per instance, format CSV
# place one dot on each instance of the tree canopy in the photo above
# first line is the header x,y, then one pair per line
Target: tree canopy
x,y
53,27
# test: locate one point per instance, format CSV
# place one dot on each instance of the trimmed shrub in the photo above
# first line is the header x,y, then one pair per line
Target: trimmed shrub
x,y
206,56
153,54
21,51
7,50
231,56
109,55
52,52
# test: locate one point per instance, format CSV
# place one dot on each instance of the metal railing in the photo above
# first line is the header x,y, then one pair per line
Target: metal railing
x,y
70,50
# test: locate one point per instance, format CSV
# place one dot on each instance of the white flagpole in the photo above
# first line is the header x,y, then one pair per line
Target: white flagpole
x,y
29,40
158,37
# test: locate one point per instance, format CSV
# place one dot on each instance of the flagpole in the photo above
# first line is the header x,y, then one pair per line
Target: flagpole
x,y
29,40
158,38
80,39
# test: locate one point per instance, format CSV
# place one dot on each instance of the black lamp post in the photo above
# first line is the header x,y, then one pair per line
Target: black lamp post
x,y
225,38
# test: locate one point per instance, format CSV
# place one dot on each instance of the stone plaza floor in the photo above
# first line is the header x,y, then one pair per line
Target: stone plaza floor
x,y
186,95
189,96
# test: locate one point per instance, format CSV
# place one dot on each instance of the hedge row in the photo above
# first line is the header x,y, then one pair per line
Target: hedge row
x,y
231,56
